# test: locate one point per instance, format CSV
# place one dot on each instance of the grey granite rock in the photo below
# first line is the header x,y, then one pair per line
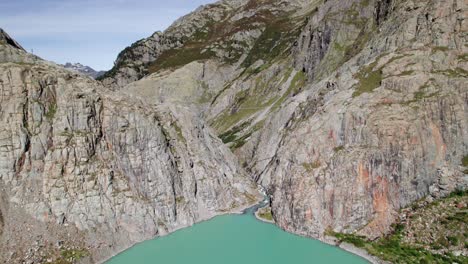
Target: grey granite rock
x,y
73,153
345,111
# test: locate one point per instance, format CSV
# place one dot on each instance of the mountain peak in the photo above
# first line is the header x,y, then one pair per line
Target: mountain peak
x,y
86,70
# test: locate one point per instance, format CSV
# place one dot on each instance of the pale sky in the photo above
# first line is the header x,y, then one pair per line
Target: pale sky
x,y
91,32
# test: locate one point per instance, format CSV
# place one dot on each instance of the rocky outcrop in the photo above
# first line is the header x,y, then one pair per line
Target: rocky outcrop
x,y
382,10
5,39
375,135
233,32
106,164
360,114
136,61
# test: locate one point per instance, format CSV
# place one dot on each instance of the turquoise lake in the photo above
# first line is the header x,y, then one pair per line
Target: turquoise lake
x,y
234,239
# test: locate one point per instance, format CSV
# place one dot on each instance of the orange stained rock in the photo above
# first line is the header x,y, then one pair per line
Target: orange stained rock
x,y
363,175
308,214
383,211
441,148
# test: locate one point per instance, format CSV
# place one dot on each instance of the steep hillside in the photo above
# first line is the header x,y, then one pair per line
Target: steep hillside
x,y
387,127
230,32
345,111
99,171
430,231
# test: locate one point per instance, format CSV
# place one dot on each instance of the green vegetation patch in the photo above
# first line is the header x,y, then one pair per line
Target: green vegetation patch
x,y
406,73
180,199
240,142
274,41
440,48
369,79
265,213
430,234
421,94
297,84
311,166
180,134
280,31
391,248
249,102
231,135
174,58
465,161
51,111
338,149
70,256
454,73
463,57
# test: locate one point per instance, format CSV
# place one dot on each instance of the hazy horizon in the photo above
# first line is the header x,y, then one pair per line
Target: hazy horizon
x,y
85,31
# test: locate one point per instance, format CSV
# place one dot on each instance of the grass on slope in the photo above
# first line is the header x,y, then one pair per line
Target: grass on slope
x,y
446,231
280,31
369,79
265,213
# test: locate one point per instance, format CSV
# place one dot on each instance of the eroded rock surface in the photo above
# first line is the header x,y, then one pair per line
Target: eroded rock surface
x,y
345,111
362,113
73,154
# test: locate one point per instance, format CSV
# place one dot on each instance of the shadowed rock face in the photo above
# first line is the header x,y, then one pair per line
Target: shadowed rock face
x,y
6,39
1,223
382,10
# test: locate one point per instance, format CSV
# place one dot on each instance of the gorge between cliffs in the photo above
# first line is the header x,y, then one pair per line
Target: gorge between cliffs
x,y
351,116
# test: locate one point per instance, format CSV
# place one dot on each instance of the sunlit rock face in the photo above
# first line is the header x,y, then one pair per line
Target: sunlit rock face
x,y
76,156
345,111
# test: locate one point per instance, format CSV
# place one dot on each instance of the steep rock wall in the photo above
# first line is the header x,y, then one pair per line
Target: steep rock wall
x,y
75,154
387,128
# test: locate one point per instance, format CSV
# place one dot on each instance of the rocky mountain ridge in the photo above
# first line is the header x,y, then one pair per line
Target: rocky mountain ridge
x,y
363,79
353,66
86,70
345,111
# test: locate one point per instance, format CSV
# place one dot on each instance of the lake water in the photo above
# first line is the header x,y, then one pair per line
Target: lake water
x,y
234,239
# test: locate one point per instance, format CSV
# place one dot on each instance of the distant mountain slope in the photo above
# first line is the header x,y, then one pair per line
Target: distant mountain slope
x,y
83,69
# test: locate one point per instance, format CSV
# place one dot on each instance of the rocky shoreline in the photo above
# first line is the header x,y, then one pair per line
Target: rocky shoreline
x,y
353,249
238,210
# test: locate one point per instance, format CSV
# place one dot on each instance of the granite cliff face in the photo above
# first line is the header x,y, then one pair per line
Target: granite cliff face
x,y
371,134
85,161
345,111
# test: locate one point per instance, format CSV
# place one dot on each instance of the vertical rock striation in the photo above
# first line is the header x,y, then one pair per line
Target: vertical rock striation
x,y
75,155
385,129
346,111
